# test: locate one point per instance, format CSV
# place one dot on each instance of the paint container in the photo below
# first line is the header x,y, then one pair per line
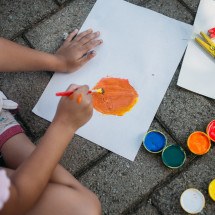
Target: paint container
x,y
211,130
211,189
173,156
154,141
199,143
192,201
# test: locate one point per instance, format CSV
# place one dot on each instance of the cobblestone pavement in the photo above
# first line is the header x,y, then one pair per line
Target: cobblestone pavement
x,y
144,186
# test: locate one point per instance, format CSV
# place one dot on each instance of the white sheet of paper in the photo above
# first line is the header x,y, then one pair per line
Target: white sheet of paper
x,y
140,45
198,69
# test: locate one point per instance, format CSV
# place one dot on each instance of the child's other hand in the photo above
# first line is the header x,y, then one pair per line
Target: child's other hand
x,y
76,110
78,49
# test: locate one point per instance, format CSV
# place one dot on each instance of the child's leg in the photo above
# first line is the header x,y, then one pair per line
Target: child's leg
x,y
63,195
59,199
19,147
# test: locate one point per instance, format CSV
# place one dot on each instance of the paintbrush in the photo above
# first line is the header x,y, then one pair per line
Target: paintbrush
x,y
69,93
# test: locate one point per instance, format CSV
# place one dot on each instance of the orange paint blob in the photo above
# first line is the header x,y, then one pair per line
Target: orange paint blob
x,y
199,143
79,98
119,96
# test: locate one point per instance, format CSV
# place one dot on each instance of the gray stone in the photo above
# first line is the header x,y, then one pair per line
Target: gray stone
x,y
15,16
48,35
61,1
184,112
193,4
198,176
171,9
81,154
119,182
146,209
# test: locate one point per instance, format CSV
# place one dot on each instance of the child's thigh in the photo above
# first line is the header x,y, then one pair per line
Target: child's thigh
x,y
59,199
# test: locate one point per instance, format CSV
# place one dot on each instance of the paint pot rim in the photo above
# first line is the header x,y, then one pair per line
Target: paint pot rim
x,y
153,151
201,132
210,189
182,150
198,192
207,130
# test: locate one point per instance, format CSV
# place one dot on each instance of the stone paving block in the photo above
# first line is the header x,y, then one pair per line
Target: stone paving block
x,y
147,209
198,176
171,9
61,1
184,112
119,182
15,16
193,4
48,35
80,153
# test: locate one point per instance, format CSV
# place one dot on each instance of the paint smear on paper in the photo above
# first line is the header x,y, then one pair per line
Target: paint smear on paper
x,y
119,96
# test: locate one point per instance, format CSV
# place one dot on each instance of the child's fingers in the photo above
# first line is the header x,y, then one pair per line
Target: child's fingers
x,y
71,35
83,34
91,45
73,87
88,57
89,37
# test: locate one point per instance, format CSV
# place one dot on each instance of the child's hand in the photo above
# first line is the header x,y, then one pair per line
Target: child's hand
x,y
76,110
78,49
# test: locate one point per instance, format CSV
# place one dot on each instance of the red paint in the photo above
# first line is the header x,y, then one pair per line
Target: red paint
x,y
211,32
211,130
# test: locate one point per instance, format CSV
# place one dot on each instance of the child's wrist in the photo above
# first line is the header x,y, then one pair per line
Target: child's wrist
x,y
61,65
63,126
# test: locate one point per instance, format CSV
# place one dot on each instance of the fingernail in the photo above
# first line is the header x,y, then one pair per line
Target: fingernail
x,y
97,33
93,52
76,30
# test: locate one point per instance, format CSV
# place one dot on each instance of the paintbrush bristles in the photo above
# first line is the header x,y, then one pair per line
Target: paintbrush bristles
x,y
99,90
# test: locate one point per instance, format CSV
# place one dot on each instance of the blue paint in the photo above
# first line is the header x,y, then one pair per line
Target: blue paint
x,y
154,141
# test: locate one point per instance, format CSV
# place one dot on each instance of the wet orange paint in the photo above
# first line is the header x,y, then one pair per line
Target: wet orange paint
x,y
199,143
79,98
71,97
119,96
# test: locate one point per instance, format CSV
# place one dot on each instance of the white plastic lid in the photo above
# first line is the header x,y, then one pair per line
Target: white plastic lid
x,y
192,201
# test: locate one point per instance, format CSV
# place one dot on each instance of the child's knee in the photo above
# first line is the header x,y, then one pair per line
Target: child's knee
x,y
92,203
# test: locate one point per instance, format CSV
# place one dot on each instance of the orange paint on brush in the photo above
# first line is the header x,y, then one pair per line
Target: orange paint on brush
x,y
199,143
119,96
79,98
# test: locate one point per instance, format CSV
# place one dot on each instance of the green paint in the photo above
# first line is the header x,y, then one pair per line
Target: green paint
x,y
173,156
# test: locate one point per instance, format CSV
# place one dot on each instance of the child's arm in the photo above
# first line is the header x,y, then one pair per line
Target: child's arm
x,y
31,178
70,57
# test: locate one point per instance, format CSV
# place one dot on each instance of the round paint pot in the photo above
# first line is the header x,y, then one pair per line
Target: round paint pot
x,y
199,143
173,156
211,189
192,201
211,130
154,141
